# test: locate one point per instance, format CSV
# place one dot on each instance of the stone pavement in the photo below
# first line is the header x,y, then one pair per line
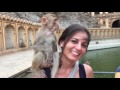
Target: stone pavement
x,y
13,63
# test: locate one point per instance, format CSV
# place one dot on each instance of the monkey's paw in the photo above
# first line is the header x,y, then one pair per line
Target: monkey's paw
x,y
39,74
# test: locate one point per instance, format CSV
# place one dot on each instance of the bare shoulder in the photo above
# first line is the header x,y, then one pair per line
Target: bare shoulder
x,y
89,71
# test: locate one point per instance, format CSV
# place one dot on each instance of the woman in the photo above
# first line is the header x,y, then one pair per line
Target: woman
x,y
74,42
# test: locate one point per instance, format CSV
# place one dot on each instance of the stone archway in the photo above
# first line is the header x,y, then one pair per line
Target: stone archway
x,y
116,24
9,37
21,37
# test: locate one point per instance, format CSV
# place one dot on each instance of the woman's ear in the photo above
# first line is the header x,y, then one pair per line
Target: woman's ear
x,y
61,43
44,20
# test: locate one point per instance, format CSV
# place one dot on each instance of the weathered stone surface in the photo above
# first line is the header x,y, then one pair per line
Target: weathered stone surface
x,y
65,18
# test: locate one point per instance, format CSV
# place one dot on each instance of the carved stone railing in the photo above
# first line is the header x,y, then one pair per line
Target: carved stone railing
x,y
100,33
104,33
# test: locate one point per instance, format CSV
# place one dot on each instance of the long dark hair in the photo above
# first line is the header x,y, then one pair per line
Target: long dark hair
x,y
71,30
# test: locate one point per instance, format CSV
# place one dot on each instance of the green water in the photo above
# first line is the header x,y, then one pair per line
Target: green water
x,y
105,60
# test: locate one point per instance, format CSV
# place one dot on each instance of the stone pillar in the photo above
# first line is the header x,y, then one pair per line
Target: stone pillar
x,y
101,22
33,34
0,38
26,36
16,36
3,35
106,23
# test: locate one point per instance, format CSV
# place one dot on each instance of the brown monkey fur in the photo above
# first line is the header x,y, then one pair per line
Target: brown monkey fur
x,y
45,46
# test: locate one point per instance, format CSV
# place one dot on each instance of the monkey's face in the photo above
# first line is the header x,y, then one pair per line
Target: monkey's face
x,y
56,27
53,24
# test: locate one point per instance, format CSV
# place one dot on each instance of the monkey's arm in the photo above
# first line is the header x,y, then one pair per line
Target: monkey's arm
x,y
54,44
38,37
55,64
54,47
39,42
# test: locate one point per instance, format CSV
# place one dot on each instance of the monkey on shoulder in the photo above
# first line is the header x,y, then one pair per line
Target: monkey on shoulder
x,y
45,47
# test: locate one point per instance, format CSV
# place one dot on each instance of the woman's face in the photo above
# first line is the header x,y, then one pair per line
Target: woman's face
x,y
76,47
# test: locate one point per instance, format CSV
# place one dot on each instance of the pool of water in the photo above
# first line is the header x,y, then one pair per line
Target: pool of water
x,y
105,60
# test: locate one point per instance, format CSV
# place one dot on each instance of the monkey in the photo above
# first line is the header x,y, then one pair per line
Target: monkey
x,y
45,46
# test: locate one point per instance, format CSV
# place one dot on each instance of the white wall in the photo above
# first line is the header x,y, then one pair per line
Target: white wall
x,y
104,44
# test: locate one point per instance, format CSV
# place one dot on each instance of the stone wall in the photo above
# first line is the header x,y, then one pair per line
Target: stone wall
x,y
65,18
82,18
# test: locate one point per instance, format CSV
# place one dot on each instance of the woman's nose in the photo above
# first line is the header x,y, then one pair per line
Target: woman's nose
x,y
78,46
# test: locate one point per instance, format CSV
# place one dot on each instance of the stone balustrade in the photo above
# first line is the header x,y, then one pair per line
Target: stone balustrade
x,y
101,33
104,33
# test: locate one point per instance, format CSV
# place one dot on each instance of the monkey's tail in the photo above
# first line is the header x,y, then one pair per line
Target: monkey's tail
x,y
55,64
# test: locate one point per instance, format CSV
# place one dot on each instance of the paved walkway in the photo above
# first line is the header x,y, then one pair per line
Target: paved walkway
x,y
13,63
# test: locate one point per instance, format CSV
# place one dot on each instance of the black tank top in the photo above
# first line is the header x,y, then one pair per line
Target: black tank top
x,y
47,72
81,71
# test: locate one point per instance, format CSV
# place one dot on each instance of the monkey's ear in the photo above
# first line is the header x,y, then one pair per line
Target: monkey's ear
x,y
44,20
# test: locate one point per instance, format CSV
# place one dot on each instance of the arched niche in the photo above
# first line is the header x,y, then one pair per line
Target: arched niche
x,y
9,36
21,37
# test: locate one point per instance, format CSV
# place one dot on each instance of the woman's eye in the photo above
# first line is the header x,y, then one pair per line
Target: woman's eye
x,y
74,41
84,45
